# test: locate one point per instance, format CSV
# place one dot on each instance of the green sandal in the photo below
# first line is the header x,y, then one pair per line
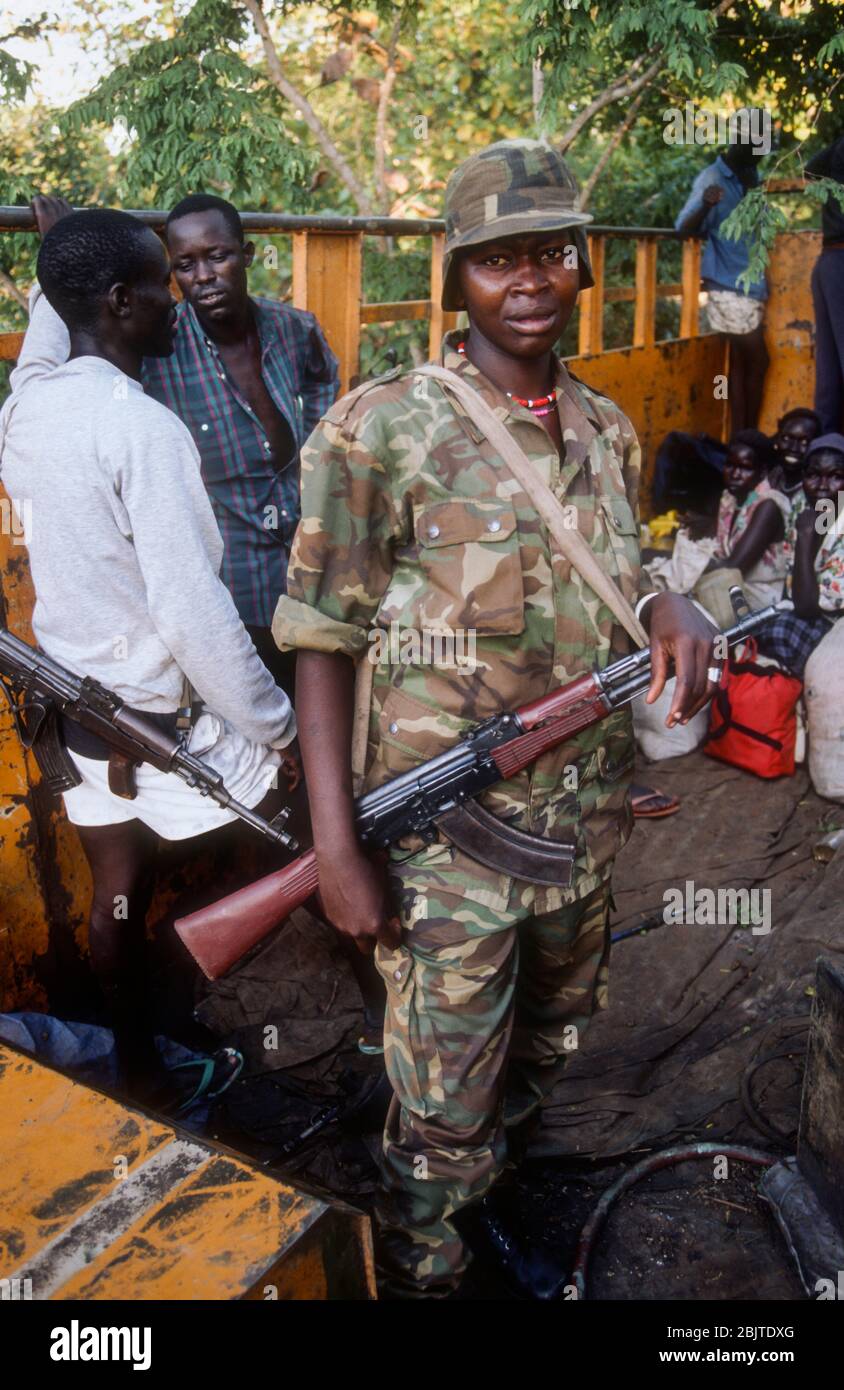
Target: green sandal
x,y
225,1056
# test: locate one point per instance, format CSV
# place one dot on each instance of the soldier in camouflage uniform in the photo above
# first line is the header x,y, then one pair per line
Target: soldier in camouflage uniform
x,y
410,518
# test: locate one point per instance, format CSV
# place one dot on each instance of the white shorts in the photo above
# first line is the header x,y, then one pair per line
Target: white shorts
x,y
728,311
167,804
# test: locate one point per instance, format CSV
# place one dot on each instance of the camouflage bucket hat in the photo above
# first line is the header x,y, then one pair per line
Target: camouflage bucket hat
x,y
513,187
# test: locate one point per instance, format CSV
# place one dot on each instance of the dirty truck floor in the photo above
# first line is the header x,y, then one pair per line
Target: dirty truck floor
x,y
695,1010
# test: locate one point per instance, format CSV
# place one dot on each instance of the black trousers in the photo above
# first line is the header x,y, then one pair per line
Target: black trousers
x,y
828,296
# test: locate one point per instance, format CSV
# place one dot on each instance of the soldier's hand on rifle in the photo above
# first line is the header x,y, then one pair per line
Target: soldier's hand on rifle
x,y
354,896
680,634
48,211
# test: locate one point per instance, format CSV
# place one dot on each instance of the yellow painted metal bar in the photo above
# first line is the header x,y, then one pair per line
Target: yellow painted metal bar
x,y
327,271
442,320
99,1201
591,302
691,289
396,311
644,313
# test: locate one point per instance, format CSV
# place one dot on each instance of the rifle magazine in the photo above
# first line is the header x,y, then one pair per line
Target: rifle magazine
x,y
58,771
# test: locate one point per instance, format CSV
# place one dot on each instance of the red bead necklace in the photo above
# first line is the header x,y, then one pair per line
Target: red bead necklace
x,y
542,405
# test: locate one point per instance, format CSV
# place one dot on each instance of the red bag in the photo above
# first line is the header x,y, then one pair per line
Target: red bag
x,y
753,719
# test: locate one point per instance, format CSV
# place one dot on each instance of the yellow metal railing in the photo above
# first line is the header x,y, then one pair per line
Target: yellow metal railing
x,y
328,279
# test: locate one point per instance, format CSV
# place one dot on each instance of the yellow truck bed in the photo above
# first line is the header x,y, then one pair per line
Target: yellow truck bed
x,y
100,1201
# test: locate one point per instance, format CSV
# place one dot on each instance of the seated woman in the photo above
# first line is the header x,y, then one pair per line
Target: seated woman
x,y
814,547
747,535
750,527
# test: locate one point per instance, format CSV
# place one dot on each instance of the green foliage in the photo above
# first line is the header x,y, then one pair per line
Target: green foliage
x,y
15,77
832,50
792,55
585,45
758,219
38,158
198,115
820,191
786,58
16,73
395,273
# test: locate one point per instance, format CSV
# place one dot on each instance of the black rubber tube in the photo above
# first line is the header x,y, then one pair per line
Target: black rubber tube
x,y
680,1154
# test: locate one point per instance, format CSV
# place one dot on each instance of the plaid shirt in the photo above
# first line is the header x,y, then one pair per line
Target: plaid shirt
x,y
257,508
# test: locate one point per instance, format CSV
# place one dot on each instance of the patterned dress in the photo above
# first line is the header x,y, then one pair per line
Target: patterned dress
x,y
763,583
788,638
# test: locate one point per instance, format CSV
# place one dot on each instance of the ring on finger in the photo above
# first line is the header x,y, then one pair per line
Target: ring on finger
x,y
714,674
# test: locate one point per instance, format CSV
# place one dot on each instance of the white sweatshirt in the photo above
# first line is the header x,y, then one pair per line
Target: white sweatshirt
x,y
123,545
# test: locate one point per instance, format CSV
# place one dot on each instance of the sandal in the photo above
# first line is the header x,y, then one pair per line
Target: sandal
x,y
371,1040
649,803
217,1073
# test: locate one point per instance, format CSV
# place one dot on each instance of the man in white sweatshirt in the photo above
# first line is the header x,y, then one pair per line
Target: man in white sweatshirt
x,y
125,555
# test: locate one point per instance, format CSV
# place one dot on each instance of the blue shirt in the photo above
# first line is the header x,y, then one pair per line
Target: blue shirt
x,y
723,261
256,506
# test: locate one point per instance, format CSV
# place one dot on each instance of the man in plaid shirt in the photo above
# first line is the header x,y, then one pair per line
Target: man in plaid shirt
x,y
250,378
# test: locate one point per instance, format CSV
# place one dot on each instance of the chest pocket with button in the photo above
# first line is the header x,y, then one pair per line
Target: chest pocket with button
x,y
623,543
471,565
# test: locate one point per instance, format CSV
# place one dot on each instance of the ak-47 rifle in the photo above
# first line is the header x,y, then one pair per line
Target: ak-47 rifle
x,y
437,794
38,688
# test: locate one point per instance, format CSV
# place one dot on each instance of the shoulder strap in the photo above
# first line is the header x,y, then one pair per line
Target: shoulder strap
x,y
569,542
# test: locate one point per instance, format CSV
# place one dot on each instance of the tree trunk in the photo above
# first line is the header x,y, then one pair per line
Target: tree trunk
x,y
8,286
612,144
296,98
387,84
537,89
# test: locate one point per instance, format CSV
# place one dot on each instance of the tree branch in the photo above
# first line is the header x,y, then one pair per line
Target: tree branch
x,y
615,92
296,98
8,286
612,145
387,83
625,87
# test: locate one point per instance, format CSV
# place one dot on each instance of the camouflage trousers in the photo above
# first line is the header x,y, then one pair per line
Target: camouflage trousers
x,y
488,995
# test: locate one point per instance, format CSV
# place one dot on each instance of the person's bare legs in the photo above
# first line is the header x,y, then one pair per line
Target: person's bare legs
x,y
121,858
748,365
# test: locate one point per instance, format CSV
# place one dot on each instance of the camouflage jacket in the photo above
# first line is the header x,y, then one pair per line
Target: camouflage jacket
x,y
411,524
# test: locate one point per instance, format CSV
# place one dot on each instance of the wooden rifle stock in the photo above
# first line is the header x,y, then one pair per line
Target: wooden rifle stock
x,y
218,935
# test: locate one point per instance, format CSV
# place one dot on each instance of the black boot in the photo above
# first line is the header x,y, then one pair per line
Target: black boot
x,y
492,1230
